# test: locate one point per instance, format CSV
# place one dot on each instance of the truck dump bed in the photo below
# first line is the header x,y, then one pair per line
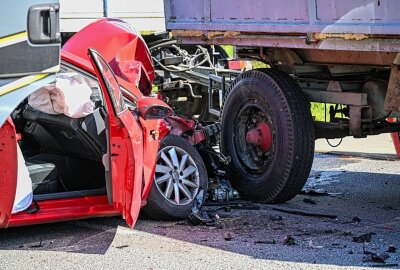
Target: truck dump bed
x,y
288,23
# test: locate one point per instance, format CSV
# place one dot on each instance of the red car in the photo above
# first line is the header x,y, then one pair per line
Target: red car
x,y
68,156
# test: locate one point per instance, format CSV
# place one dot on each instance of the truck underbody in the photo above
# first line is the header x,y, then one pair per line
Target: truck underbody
x,y
359,90
354,84
344,55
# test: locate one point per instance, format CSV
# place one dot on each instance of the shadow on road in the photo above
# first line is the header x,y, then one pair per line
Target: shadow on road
x,y
92,236
363,202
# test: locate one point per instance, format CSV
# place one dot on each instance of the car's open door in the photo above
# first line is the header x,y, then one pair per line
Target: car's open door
x,y
125,145
8,170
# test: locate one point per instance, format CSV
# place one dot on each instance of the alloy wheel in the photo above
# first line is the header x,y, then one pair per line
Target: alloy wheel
x,y
176,176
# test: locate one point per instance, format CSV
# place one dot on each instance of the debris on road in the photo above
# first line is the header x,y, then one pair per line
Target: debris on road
x,y
337,245
392,249
347,233
267,242
122,246
211,222
356,220
364,238
273,217
228,236
201,218
375,257
247,206
303,213
311,245
289,241
225,208
197,216
309,201
314,192
38,245
319,192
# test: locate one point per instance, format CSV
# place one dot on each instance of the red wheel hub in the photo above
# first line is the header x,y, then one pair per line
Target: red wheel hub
x,y
260,136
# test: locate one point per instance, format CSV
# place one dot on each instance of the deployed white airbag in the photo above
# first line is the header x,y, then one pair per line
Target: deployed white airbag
x,y
70,95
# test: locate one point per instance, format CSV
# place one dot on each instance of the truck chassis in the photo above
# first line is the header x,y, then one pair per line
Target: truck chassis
x,y
342,54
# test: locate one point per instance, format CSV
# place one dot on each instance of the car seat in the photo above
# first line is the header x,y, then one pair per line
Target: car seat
x,y
43,175
79,137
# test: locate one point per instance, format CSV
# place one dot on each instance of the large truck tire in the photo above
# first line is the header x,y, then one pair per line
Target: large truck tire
x,y
268,131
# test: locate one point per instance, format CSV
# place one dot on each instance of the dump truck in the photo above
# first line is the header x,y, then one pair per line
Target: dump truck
x,y
343,54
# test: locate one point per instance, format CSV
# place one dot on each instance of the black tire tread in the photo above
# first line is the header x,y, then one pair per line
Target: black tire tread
x,y
305,135
301,142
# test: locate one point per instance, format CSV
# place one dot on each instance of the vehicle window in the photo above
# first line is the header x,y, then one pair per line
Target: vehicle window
x,y
130,104
111,83
96,95
129,99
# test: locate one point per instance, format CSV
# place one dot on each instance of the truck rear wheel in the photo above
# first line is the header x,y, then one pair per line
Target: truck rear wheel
x,y
268,131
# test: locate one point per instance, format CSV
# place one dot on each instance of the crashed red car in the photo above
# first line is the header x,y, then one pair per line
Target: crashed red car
x,y
94,143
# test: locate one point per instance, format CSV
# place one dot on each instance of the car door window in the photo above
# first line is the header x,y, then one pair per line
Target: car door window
x,y
81,76
111,83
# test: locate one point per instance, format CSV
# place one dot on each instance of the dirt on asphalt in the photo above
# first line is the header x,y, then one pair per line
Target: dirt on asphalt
x,y
348,214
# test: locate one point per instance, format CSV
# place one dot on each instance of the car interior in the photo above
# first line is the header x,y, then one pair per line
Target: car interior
x,y
64,155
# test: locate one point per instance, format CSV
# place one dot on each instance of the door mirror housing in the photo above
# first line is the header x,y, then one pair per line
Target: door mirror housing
x,y
152,108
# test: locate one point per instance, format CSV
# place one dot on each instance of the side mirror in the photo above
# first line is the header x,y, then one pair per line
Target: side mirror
x,y
152,108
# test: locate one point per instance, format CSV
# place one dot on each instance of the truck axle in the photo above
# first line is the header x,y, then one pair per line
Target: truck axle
x,y
260,136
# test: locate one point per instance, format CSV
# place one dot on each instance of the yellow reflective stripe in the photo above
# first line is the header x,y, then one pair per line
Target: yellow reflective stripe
x,y
21,83
54,69
12,37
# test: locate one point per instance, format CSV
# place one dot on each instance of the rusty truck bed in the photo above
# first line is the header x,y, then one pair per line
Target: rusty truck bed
x,y
357,25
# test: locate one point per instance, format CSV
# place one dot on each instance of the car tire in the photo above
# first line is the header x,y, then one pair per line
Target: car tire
x,y
176,183
267,97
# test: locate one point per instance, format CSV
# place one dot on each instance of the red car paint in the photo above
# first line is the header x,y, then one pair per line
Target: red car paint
x,y
154,131
130,137
395,138
120,46
8,170
126,140
178,125
66,209
396,142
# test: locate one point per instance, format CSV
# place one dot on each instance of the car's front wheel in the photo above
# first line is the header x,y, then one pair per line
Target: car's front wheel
x,y
179,176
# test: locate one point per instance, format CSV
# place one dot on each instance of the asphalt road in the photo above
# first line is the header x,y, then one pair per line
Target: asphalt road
x,y
363,193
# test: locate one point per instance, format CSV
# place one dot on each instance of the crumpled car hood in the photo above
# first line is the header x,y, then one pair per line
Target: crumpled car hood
x,y
121,46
